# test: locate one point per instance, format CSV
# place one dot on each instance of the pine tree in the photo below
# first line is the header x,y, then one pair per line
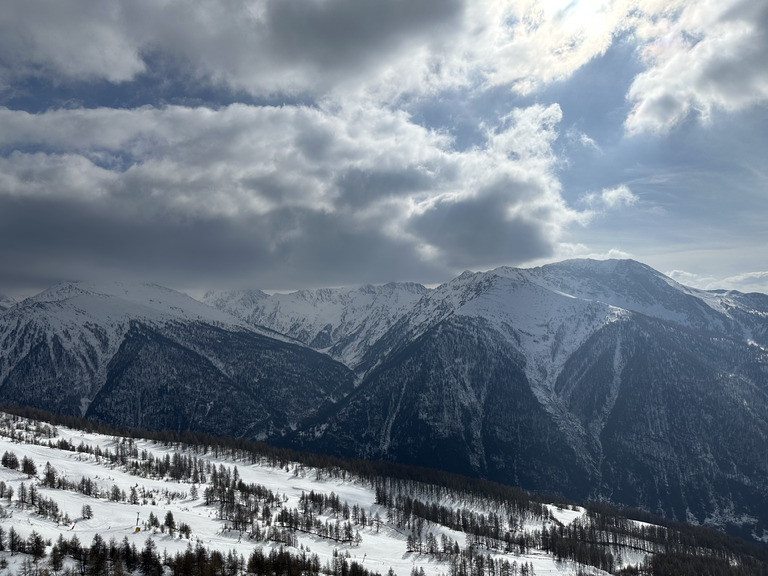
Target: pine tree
x,y
149,562
170,523
28,466
13,540
10,460
36,546
49,476
22,495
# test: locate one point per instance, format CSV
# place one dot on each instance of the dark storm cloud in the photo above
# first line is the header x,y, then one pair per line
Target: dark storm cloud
x,y
359,188
483,230
47,240
290,196
348,33
337,248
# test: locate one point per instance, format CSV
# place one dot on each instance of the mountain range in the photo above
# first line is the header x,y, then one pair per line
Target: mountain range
x,y
594,379
141,355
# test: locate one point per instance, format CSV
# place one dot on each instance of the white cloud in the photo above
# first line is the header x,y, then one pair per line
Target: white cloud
x,y
588,142
691,279
701,56
60,176
611,198
90,41
744,282
618,197
530,43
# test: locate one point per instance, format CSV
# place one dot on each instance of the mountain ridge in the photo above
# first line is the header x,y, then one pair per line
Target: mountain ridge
x,y
6,302
341,322
594,379
61,348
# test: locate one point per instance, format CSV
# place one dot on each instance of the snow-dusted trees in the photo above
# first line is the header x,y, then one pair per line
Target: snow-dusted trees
x,y
49,476
169,522
10,460
28,466
149,561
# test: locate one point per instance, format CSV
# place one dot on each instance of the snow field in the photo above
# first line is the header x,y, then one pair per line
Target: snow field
x,y
379,550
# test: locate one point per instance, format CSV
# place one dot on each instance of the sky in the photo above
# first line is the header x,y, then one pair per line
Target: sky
x,y
284,144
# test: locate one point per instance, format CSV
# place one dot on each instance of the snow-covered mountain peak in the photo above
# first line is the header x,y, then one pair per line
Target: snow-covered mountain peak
x,y
6,302
83,324
341,321
631,286
612,281
546,325
546,311
112,302
76,336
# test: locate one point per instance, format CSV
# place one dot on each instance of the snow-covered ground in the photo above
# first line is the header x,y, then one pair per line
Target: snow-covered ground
x,y
379,550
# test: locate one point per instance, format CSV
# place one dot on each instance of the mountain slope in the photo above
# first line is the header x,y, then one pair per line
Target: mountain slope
x,y
457,399
89,502
142,355
676,421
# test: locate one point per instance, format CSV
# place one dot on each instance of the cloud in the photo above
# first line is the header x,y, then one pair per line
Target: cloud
x,y
747,282
588,142
289,194
326,153
744,282
93,42
535,43
618,197
700,57
611,198
691,279
507,207
266,47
